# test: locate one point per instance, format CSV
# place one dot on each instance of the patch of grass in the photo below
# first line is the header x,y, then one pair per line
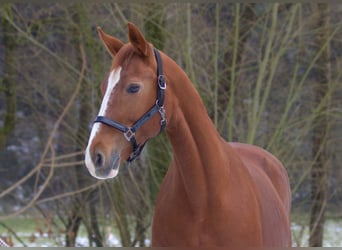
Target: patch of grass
x,y
18,224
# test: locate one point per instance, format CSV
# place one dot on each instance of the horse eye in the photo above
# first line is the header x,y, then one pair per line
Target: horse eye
x,y
133,88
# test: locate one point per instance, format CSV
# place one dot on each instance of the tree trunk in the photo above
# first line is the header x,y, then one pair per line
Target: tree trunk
x,y
319,171
8,85
154,24
96,235
74,222
244,18
121,213
87,211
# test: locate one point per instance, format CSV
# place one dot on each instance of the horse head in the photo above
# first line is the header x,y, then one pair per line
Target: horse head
x,y
132,109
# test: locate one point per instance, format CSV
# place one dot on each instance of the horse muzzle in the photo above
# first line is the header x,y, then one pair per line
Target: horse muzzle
x,y
102,167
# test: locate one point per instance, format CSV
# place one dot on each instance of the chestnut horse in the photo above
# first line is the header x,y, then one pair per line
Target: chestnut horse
x,y
215,193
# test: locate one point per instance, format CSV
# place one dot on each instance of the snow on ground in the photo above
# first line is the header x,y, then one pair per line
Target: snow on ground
x,y
332,237
332,234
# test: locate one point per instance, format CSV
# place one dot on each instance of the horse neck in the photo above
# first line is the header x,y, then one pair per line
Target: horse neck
x,y
198,151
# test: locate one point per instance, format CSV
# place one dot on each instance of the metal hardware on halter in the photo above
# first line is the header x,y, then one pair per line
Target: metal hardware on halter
x,y
129,132
162,82
162,113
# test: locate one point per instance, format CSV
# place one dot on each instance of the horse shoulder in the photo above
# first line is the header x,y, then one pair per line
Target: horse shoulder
x,y
273,193
258,159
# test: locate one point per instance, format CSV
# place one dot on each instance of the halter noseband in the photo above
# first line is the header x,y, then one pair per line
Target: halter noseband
x,y
129,132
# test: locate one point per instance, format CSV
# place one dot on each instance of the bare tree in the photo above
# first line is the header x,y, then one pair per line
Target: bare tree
x,y
8,83
321,126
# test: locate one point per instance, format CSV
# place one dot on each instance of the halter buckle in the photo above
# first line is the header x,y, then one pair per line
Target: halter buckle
x,y
129,134
162,82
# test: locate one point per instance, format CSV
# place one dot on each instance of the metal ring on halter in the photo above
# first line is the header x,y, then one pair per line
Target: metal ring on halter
x,y
129,134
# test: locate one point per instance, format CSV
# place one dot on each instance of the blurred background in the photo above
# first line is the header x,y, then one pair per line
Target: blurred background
x,y
269,74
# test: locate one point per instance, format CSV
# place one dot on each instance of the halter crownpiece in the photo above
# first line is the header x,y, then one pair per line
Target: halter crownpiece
x,y
129,132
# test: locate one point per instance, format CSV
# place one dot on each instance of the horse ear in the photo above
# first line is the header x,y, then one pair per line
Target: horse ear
x,y
137,39
112,44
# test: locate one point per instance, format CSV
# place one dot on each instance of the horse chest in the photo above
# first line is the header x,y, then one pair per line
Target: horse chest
x,y
178,221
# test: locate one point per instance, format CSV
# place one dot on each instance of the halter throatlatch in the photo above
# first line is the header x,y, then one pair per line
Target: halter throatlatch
x,y
129,132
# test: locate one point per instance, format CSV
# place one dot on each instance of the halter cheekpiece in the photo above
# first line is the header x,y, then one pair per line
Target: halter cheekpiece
x,y
129,132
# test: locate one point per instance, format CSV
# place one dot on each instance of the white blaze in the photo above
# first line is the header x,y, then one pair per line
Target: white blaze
x,y
113,79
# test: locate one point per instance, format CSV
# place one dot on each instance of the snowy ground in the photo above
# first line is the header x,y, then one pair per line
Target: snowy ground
x,y
332,234
332,237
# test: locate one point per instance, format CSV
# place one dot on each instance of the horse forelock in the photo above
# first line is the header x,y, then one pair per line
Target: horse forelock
x,y
125,56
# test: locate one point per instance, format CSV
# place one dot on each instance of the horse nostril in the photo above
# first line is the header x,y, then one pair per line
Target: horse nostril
x,y
99,160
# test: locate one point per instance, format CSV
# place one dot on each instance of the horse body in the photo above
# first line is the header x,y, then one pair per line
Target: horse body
x,y
214,193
